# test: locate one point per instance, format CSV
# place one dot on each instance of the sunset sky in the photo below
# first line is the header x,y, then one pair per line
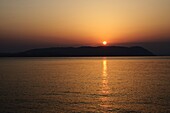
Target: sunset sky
x,y
44,23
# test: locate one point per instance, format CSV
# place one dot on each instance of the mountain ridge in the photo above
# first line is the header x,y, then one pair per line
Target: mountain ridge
x,y
82,51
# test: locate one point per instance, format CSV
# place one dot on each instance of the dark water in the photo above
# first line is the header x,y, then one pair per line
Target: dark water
x,y
57,85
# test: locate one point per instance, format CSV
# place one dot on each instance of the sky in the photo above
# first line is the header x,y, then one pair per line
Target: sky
x,y
28,24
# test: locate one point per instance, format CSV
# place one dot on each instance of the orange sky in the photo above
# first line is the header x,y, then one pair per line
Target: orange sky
x,y
85,22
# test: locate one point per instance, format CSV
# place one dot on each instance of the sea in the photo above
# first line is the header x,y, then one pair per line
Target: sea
x,y
85,85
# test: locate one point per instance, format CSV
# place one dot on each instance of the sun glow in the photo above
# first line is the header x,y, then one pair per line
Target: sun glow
x,y
104,43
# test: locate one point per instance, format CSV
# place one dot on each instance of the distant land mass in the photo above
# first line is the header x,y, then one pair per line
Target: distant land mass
x,y
82,51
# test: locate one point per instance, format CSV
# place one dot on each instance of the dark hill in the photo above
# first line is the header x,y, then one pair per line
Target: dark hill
x,y
83,51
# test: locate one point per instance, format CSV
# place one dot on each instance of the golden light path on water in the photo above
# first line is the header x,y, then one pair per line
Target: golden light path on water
x,y
105,92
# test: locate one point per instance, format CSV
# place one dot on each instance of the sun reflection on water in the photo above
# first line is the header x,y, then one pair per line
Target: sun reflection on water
x,y
105,87
105,90
104,67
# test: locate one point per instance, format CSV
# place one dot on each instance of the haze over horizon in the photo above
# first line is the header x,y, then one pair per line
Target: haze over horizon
x,y
42,23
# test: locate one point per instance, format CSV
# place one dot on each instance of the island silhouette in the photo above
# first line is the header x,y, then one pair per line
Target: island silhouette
x,y
84,51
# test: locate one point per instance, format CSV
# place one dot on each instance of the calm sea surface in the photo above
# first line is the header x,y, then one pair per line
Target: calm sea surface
x,y
57,85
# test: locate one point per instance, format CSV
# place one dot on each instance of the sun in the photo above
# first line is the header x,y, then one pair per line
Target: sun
x,y
104,43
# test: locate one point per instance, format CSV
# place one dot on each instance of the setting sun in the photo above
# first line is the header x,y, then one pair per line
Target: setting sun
x,y
104,43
